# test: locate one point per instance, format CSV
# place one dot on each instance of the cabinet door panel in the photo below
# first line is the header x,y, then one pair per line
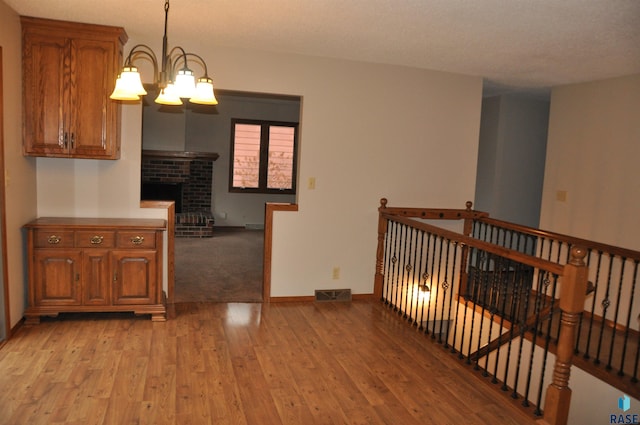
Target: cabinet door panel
x,y
92,75
134,278
95,273
57,277
46,68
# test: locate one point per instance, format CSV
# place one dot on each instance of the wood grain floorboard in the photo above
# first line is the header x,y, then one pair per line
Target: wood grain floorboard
x,y
244,364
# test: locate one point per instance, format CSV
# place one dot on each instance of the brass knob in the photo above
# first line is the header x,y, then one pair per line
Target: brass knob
x,y
53,239
137,240
97,240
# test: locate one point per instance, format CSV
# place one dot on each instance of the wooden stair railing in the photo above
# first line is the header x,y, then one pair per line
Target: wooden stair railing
x,y
607,345
574,277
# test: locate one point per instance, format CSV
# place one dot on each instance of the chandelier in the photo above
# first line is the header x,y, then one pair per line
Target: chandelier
x,y
174,82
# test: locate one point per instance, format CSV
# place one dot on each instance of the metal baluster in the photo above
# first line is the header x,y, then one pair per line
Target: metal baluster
x,y
433,264
482,305
538,411
466,297
476,283
445,286
403,294
427,276
394,260
414,285
606,302
437,286
527,300
587,349
453,280
485,231
495,291
387,261
415,292
614,330
421,272
408,267
502,312
626,332
537,308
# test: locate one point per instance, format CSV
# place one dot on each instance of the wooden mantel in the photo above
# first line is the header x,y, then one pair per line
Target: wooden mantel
x,y
211,156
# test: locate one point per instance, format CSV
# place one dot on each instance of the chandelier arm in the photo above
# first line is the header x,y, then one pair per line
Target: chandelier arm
x,y
200,61
174,58
143,50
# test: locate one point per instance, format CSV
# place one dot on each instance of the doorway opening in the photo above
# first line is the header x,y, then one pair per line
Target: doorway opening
x,y
219,258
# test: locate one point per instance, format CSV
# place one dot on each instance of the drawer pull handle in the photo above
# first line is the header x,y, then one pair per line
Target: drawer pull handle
x,y
53,239
137,240
97,240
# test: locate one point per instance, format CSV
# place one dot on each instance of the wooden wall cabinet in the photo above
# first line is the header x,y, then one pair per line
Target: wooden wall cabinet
x,y
95,265
69,71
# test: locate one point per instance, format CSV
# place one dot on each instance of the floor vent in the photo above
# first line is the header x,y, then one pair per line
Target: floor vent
x,y
333,294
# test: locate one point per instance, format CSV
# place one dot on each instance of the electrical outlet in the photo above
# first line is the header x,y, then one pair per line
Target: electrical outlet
x,y
561,196
336,273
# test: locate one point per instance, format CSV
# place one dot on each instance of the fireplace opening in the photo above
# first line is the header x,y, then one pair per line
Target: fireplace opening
x,y
159,191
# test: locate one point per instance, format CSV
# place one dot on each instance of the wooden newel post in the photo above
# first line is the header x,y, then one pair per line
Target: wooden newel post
x,y
382,230
573,292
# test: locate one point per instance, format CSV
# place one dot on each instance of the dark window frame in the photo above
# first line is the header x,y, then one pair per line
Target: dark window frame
x,y
264,156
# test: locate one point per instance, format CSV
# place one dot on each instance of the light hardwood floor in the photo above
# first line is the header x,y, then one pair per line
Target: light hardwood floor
x,y
218,363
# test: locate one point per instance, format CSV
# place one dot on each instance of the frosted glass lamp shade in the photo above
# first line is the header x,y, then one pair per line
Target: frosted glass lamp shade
x,y
204,92
185,83
128,85
168,96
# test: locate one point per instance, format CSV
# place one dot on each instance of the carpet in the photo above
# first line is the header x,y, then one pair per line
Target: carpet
x,y
224,268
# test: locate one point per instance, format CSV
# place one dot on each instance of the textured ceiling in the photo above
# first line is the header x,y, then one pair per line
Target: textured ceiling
x,y
530,44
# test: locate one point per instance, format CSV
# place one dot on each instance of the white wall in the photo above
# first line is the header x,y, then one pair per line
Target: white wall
x,y
20,172
592,154
367,131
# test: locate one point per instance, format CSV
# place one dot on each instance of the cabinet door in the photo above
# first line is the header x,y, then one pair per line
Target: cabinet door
x,y
57,277
134,277
46,71
91,112
95,277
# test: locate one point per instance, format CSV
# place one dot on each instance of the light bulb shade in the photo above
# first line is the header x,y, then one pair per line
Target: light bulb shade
x,y
168,96
185,83
128,85
204,92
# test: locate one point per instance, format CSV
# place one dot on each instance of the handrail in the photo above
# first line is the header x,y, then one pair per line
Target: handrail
x,y
485,246
588,244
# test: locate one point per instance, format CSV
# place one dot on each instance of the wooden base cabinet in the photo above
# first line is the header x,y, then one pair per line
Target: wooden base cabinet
x,y
95,265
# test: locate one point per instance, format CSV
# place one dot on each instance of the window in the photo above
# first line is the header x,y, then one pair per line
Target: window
x,y
263,156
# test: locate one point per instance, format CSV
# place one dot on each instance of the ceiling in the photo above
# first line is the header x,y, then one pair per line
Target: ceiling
x,y
522,45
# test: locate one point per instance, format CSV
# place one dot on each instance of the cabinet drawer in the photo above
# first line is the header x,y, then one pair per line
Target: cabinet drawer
x,y
94,239
133,239
53,238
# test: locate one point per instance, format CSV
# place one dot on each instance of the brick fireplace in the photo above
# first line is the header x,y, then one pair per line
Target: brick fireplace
x,y
185,178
